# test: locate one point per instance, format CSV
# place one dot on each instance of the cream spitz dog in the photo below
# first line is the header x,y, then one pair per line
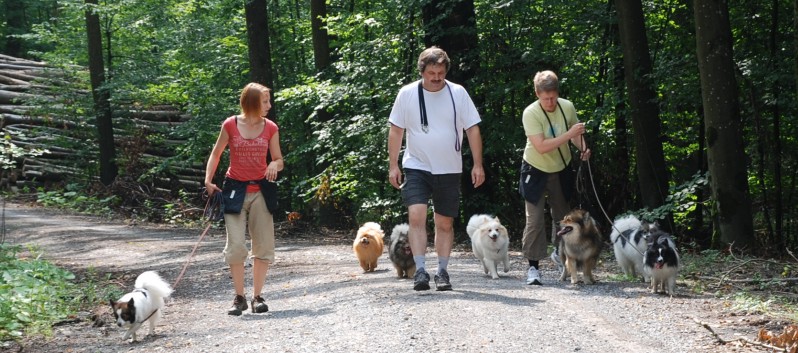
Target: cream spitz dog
x,y
489,241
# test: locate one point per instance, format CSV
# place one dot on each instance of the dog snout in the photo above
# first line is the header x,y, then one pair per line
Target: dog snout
x,y
565,230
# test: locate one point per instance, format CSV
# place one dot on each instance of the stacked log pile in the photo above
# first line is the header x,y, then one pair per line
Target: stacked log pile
x,y
31,99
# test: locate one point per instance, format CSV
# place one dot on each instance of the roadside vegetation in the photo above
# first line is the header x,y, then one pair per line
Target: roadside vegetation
x,y
36,295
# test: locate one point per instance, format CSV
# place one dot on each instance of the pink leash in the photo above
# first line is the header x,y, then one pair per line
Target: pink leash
x,y
213,213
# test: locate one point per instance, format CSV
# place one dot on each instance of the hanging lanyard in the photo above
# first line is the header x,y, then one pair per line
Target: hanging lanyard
x,y
552,127
425,121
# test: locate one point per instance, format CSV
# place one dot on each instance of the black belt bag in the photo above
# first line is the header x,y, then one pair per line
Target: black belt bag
x,y
234,191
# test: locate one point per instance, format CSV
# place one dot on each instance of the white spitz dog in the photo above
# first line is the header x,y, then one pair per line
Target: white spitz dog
x,y
489,241
629,242
144,303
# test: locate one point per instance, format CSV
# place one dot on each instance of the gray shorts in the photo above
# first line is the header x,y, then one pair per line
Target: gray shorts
x,y
444,189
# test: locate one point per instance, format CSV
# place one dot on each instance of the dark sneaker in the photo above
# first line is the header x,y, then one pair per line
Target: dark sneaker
x,y
239,305
442,281
421,280
259,305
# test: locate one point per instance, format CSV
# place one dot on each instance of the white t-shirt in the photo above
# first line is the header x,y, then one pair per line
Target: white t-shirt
x,y
434,151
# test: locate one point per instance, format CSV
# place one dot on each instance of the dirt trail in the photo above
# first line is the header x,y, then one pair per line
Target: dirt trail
x,y
321,301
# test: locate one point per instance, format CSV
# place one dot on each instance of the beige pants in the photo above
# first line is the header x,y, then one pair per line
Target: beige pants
x,y
255,218
534,243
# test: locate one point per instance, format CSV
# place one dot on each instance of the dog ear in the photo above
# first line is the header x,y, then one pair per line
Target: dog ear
x,y
111,301
131,304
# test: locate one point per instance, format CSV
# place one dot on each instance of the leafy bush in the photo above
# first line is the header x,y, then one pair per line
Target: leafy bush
x,y
74,197
33,294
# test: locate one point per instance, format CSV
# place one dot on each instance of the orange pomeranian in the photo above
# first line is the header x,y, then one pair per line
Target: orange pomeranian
x,y
368,245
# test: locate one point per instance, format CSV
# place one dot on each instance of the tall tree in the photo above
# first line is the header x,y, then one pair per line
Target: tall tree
x,y
101,96
644,110
15,25
452,25
260,54
725,146
321,41
321,45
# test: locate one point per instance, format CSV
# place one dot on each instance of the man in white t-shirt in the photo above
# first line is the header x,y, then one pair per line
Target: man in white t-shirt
x,y
434,113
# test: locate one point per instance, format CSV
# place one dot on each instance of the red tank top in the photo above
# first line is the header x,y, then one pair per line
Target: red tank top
x,y
248,156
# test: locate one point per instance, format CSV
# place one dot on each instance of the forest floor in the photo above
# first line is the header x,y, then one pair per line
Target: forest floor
x,y
320,299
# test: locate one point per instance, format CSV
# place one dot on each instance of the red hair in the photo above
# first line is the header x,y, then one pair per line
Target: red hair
x,y
251,98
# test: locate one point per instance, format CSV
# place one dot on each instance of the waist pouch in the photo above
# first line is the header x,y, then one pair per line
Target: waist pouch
x,y
234,191
533,182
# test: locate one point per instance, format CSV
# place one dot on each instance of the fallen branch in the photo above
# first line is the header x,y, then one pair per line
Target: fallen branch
x,y
744,340
750,280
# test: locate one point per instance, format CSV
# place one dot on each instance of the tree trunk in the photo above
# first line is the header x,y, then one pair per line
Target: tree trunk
x,y
644,111
15,24
725,152
321,42
260,57
101,95
778,209
452,26
321,45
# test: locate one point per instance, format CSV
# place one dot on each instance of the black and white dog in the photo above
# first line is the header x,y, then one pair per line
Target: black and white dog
x,y
629,242
661,262
144,303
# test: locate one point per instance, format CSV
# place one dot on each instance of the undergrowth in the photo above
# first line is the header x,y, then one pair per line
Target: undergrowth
x,y
36,294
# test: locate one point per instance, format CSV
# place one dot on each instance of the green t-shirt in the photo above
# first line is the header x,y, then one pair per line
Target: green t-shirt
x,y
535,123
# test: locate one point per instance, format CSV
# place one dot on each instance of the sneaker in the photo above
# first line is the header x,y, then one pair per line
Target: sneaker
x,y
442,281
556,258
259,305
421,280
239,305
533,276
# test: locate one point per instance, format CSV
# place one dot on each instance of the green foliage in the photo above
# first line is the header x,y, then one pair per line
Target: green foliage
x,y
193,55
11,153
681,201
33,294
74,198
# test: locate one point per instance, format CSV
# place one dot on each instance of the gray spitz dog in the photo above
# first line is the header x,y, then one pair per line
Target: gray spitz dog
x,y
400,254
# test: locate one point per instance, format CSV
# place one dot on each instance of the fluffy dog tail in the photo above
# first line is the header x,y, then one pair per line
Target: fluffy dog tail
x,y
155,285
399,229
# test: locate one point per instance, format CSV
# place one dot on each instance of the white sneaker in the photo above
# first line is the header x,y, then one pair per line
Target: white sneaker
x,y
556,258
533,276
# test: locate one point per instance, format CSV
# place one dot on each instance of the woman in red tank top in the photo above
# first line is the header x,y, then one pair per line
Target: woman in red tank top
x,y
250,138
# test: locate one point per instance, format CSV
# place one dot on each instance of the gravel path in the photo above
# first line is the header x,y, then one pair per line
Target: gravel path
x,y
321,301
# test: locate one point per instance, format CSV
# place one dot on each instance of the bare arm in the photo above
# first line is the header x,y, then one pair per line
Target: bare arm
x,y
544,145
395,135
277,164
213,162
581,144
475,143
